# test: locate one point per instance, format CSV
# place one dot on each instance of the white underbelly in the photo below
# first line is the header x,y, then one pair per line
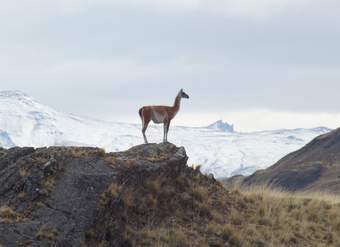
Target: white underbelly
x,y
158,118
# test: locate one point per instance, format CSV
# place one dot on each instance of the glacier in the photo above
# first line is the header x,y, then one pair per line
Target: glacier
x,y
217,148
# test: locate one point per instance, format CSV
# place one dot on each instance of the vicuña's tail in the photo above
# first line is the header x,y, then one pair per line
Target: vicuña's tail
x,y
141,113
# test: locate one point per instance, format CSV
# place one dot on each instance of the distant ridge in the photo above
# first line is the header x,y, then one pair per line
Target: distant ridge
x,y
315,167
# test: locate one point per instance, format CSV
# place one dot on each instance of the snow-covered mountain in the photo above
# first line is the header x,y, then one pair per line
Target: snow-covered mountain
x,y
220,150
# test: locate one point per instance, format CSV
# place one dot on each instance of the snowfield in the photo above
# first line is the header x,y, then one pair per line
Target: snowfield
x,y
217,148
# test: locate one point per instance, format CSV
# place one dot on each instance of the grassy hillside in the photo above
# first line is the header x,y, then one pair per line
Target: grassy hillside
x,y
186,208
148,196
275,218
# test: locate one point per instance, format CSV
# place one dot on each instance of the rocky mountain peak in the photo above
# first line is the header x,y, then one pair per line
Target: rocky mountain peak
x,y
220,125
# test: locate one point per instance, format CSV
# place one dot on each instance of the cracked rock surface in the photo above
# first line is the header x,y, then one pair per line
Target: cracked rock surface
x,y
50,196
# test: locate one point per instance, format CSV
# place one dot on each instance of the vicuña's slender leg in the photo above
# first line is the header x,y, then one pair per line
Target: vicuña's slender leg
x,y
145,126
166,130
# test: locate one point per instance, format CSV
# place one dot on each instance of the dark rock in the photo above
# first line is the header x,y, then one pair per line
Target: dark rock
x,y
58,191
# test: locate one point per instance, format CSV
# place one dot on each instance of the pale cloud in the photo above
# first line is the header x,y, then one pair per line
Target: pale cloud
x,y
243,8
231,56
249,8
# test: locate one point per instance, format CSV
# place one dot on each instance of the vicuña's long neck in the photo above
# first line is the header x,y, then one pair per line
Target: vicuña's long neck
x,y
177,103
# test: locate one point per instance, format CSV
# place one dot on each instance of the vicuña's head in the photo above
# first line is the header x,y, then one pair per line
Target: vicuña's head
x,y
183,94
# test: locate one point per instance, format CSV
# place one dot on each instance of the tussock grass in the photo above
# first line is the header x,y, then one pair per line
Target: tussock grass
x,y
180,208
78,152
267,191
277,218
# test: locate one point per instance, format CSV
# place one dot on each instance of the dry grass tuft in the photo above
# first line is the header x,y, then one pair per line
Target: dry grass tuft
x,y
78,152
8,215
113,190
46,234
6,212
111,159
23,172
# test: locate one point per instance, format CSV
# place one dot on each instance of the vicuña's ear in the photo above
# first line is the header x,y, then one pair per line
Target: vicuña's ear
x,y
181,89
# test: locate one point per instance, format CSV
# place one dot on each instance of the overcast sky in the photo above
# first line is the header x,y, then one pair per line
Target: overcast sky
x,y
261,64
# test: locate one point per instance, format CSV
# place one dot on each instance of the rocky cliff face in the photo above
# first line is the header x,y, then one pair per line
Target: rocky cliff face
x,y
50,195
85,197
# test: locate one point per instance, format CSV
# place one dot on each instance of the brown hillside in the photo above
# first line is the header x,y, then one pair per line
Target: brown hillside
x,y
146,196
315,167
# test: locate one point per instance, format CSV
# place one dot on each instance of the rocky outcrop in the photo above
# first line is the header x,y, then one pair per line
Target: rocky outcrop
x,y
62,196
54,190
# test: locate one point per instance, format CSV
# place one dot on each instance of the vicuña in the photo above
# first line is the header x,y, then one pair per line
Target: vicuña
x,y
161,114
